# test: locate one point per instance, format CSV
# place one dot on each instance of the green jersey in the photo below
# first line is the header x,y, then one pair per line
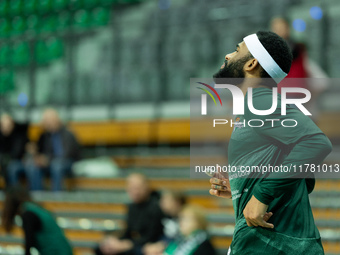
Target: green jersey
x,y
273,144
50,239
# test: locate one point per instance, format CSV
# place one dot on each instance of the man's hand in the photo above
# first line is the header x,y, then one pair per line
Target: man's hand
x,y
112,245
31,148
108,245
41,160
220,188
256,214
154,248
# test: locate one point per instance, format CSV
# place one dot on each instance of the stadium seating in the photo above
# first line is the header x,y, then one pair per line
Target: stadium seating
x,y
129,98
98,207
168,131
20,20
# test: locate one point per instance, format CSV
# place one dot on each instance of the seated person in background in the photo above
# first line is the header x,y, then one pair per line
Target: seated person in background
x,y
194,239
143,222
13,139
171,203
57,149
40,228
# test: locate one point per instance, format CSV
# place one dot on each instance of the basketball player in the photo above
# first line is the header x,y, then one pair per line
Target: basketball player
x,y
272,211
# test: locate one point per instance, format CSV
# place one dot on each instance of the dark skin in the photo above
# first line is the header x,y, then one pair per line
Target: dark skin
x,y
255,211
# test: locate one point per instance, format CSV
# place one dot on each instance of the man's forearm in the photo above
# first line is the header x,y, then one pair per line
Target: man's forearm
x,y
310,150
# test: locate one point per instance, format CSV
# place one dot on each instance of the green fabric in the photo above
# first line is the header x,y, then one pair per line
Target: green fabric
x,y
186,245
260,241
295,231
50,239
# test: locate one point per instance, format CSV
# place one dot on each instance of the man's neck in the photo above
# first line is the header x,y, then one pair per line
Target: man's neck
x,y
251,83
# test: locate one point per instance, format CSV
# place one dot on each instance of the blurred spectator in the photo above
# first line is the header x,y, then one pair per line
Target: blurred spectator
x,y
13,139
194,239
143,222
302,67
40,228
171,203
57,149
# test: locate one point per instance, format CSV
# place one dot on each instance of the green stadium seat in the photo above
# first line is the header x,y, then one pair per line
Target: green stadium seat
x,y
100,16
91,3
76,4
6,81
41,55
59,5
20,54
29,6
63,21
81,19
15,7
4,28
127,1
107,2
44,6
55,48
48,24
46,51
3,8
18,26
32,23
5,53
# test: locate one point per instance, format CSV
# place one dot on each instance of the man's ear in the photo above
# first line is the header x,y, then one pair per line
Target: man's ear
x,y
251,65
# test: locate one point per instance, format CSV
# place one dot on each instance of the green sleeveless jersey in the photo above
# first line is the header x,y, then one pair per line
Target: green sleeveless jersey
x,y
50,239
272,144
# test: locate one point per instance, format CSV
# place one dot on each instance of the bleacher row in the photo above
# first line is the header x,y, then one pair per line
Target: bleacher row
x,y
189,32
87,215
165,131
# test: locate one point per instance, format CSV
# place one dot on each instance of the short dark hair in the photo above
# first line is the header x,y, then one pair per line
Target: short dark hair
x,y
278,48
178,196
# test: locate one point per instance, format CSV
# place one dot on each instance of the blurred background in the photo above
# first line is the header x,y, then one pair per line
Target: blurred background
x,y
117,75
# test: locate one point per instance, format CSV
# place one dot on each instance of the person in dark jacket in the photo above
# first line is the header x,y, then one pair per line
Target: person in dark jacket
x,y
40,228
57,149
194,239
13,139
171,204
143,222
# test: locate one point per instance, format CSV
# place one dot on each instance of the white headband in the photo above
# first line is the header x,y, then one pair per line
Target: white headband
x,y
256,48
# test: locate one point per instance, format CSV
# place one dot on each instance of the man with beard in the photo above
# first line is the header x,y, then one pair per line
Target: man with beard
x,y
272,210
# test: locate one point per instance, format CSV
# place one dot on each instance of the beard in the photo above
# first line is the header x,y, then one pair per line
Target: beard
x,y
232,71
